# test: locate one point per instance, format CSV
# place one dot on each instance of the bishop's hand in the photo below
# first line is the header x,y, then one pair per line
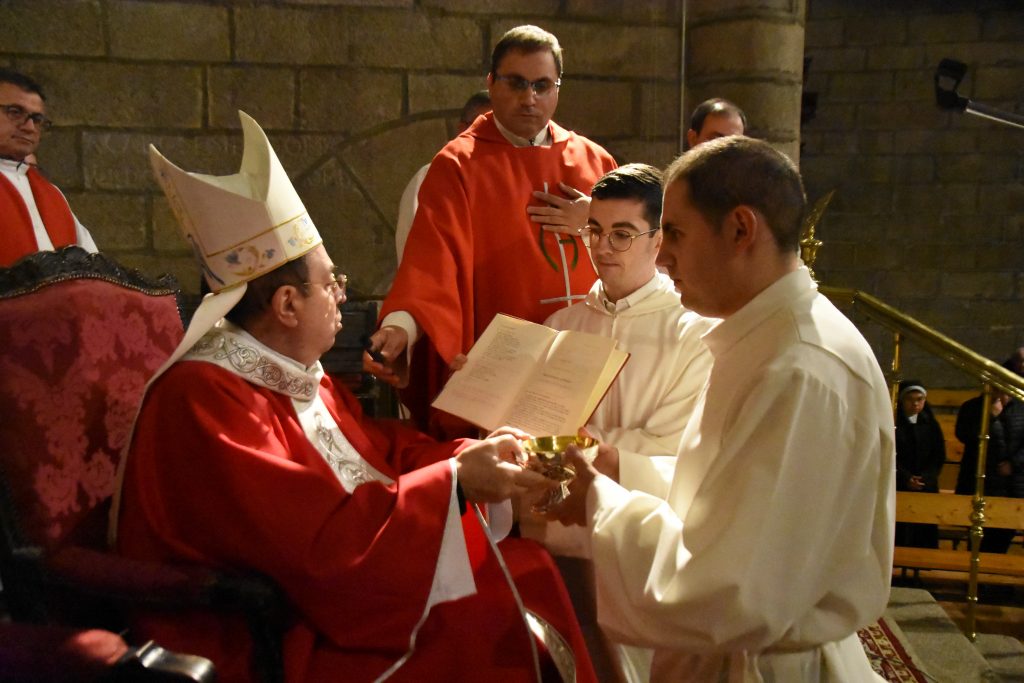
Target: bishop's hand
x,y
489,472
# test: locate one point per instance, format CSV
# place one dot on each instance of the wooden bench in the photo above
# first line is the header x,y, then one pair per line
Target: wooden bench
x,y
946,509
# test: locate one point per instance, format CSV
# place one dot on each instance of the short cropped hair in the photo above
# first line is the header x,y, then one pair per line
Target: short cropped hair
x,y
26,83
259,292
640,182
526,39
716,106
477,100
736,170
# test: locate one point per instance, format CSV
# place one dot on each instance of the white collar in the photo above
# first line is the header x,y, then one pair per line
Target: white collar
x,y
783,292
11,167
542,139
631,299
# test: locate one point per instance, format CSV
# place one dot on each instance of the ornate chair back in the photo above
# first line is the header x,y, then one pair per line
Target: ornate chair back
x,y
79,338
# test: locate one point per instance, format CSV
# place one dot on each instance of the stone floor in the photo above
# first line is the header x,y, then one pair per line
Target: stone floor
x,y
945,654
935,620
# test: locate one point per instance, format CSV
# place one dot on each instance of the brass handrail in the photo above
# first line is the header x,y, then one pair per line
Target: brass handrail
x,y
991,375
904,327
986,371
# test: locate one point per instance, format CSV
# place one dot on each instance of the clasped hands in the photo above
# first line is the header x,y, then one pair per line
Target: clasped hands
x,y
495,469
512,477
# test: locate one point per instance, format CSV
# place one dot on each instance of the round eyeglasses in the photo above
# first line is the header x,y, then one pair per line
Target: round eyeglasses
x,y
618,240
337,285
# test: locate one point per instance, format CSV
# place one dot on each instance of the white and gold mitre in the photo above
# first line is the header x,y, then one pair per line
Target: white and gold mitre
x,y
243,225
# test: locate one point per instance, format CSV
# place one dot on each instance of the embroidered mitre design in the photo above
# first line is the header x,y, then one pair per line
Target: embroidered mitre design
x,y
243,225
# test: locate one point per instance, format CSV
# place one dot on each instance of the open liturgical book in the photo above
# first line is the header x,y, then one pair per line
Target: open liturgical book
x,y
529,376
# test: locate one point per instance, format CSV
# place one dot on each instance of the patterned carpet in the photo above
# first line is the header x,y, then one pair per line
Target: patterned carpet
x,y
890,655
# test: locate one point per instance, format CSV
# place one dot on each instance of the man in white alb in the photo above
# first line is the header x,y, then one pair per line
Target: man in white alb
x,y
774,544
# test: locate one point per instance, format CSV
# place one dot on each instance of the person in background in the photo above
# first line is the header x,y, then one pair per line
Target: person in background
x,y
34,214
920,455
715,118
479,103
1004,458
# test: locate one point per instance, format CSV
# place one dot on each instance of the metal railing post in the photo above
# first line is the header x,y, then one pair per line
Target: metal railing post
x,y
894,377
978,512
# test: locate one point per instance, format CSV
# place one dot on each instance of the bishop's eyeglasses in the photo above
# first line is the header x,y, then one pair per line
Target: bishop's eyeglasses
x,y
541,88
18,115
618,240
337,285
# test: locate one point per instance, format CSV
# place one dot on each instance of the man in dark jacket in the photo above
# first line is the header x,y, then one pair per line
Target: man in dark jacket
x,y
1004,461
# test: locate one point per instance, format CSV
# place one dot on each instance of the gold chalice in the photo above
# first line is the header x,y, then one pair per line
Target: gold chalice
x,y
546,455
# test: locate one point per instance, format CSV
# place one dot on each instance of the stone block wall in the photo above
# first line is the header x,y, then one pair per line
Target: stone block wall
x,y
929,207
750,52
355,95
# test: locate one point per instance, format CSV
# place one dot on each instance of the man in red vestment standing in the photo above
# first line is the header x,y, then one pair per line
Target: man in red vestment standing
x,y
245,455
34,215
476,247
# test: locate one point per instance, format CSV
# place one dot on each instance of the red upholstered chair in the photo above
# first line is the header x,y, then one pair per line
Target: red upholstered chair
x,y
79,338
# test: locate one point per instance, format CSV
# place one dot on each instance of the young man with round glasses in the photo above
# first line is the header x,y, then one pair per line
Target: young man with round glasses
x,y
474,250
648,406
34,215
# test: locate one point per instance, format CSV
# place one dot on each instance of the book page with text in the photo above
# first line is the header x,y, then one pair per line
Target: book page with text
x,y
558,396
497,367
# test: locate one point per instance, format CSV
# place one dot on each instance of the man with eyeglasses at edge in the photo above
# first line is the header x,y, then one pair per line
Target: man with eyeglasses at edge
x,y
474,249
34,215
649,404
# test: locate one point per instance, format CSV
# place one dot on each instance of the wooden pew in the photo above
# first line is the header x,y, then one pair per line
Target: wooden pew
x,y
945,403
946,509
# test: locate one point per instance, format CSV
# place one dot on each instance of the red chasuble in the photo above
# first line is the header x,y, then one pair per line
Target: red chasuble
x,y
473,252
17,237
221,473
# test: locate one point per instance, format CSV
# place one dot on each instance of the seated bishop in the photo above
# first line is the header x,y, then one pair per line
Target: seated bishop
x,y
246,456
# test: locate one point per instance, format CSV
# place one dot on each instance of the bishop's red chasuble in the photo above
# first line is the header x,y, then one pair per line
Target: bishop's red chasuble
x,y
220,472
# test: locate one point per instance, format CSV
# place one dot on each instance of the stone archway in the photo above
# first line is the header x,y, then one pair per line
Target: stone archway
x,y
352,195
